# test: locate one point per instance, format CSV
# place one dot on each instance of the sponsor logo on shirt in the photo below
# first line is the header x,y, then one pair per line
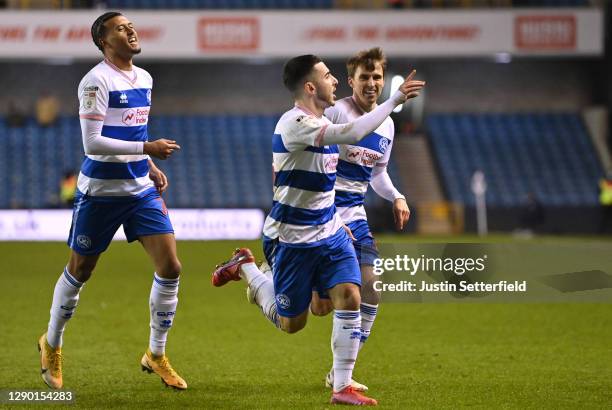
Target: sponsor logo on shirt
x,y
353,154
135,116
370,158
331,164
362,156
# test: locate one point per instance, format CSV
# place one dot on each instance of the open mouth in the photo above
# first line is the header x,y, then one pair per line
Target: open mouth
x,y
370,93
132,40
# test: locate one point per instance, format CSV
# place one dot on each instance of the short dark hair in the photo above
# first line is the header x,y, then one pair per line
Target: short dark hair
x,y
367,59
297,69
98,31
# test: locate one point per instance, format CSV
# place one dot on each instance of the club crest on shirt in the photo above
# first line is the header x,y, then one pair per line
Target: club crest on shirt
x,y
383,144
83,241
283,300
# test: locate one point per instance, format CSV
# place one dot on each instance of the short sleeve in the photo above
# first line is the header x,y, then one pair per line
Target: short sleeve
x,y
302,131
93,98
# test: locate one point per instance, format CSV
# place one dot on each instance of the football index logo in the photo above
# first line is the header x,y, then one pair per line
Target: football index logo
x,y
128,117
138,116
353,154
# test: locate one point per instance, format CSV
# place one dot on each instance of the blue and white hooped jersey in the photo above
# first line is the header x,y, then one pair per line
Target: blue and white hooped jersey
x,y
122,100
356,162
303,211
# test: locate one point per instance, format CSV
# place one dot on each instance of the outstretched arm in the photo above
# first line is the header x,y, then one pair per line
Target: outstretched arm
x,y
354,131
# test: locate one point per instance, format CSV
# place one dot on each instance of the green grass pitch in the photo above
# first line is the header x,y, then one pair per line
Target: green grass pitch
x,y
419,355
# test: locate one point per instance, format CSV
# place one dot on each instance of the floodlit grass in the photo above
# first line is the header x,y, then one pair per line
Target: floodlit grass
x,y
418,356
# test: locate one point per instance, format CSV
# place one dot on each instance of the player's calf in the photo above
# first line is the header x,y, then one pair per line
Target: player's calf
x,y
368,294
170,270
82,266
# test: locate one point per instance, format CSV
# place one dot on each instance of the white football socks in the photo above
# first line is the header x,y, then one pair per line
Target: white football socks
x,y
65,299
346,335
262,288
162,303
368,315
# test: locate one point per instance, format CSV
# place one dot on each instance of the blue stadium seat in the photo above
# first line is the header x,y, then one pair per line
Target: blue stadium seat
x,y
225,161
549,154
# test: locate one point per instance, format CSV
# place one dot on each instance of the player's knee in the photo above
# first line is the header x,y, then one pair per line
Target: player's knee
x,y
352,301
347,297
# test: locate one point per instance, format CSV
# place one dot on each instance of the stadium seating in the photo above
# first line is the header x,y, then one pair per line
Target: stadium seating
x,y
225,161
547,154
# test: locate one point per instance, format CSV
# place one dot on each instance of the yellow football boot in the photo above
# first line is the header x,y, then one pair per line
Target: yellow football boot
x,y
161,366
50,363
